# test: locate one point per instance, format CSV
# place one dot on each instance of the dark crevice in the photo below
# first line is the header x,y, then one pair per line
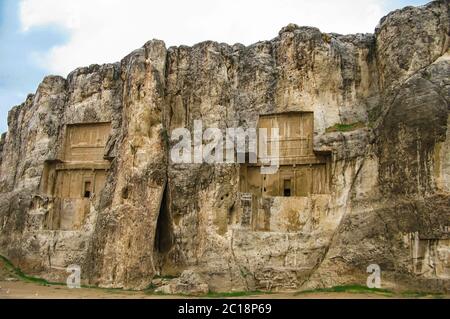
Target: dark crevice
x,y
164,230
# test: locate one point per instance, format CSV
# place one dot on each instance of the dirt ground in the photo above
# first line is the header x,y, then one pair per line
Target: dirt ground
x,y
24,290
12,287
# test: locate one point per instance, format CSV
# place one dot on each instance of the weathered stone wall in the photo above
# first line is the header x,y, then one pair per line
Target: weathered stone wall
x,y
389,173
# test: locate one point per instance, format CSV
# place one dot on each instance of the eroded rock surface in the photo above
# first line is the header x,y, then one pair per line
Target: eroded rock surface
x,y
388,201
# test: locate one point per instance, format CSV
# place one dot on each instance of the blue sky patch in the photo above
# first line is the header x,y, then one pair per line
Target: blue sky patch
x,y
21,71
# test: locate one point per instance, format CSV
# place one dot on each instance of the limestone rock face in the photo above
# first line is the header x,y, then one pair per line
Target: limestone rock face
x,y
389,186
189,283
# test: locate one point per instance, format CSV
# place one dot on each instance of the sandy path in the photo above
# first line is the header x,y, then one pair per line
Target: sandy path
x,y
23,290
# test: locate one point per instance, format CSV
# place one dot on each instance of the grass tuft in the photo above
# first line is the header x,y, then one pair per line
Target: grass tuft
x,y
345,127
348,289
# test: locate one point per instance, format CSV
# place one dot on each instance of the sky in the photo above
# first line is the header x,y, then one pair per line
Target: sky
x,y
41,37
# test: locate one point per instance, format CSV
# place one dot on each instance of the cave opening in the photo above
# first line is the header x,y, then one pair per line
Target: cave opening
x,y
87,190
287,188
164,230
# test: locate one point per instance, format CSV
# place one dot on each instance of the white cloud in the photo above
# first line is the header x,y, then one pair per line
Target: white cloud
x,y
106,30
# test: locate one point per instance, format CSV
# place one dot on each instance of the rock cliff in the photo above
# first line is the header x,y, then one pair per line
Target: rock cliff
x,y
381,107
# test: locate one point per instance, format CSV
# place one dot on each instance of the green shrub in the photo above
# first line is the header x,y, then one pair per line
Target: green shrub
x,y
345,127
